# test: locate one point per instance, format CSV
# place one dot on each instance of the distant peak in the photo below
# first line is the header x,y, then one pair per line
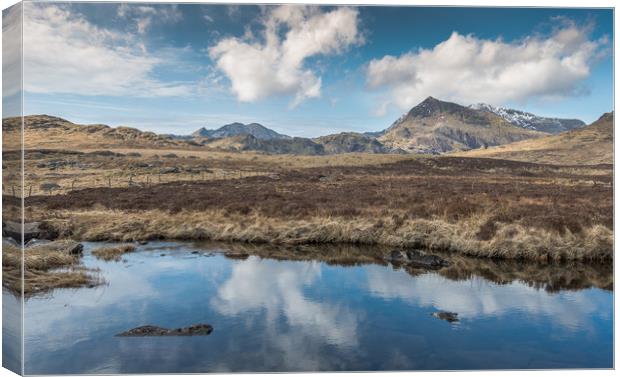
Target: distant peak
x,y
432,105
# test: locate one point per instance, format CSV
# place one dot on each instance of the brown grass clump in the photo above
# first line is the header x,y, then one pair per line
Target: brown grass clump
x,y
510,241
46,267
114,253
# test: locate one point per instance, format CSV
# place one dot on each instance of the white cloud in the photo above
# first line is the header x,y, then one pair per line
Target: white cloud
x,y
467,69
64,53
143,15
278,288
275,65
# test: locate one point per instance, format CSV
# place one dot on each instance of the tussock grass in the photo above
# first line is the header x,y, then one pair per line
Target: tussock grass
x,y
510,241
46,267
114,253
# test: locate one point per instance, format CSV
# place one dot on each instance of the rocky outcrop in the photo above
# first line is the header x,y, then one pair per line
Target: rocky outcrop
x,y
447,316
200,329
38,230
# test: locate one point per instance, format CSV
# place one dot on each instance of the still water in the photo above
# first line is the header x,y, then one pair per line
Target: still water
x,y
312,315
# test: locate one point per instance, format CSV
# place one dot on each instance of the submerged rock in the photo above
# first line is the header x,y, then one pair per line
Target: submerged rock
x,y
417,258
149,330
236,255
447,316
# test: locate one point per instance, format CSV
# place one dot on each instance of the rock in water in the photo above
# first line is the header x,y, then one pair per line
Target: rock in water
x,y
417,258
149,330
447,316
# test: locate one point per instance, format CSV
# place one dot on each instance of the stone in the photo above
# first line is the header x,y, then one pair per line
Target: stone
x,y
446,316
200,329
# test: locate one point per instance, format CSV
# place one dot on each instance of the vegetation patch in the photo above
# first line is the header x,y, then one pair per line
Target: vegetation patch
x,y
114,253
45,267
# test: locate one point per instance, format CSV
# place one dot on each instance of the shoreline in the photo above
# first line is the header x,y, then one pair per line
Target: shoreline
x,y
510,241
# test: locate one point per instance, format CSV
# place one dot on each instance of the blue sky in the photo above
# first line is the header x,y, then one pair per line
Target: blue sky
x,y
308,71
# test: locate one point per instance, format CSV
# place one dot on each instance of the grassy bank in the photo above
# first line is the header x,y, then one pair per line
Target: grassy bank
x,y
46,266
510,241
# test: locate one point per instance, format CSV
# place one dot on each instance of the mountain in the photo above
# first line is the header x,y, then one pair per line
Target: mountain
x,y
234,129
352,142
247,142
589,145
436,126
531,121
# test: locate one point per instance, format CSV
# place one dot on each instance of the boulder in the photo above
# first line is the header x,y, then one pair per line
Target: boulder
x,y
447,316
39,230
149,330
76,249
418,258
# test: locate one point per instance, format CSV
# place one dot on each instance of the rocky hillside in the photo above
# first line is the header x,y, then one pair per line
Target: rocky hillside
x,y
242,143
588,145
436,127
351,142
531,121
235,129
44,131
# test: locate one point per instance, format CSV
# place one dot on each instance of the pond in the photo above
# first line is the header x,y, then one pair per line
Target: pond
x,y
343,309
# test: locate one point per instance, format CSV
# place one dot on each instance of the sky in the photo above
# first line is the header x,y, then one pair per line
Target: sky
x,y
304,70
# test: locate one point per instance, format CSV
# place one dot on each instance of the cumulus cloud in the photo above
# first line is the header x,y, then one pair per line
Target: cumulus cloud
x,y
64,53
276,64
143,15
468,69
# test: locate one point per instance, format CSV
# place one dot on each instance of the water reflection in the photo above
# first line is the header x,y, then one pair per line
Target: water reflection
x,y
278,288
282,310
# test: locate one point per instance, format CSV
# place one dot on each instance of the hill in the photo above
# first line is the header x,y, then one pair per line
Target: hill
x,y
235,129
436,127
44,131
589,145
245,142
352,142
531,121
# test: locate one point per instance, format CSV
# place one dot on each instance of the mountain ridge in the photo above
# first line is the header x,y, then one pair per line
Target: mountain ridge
x,y
234,129
531,121
434,126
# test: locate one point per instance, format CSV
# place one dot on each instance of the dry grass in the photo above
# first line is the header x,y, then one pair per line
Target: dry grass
x,y
46,267
510,241
114,253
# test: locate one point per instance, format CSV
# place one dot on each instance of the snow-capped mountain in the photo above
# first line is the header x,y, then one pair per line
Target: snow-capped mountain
x,y
531,121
